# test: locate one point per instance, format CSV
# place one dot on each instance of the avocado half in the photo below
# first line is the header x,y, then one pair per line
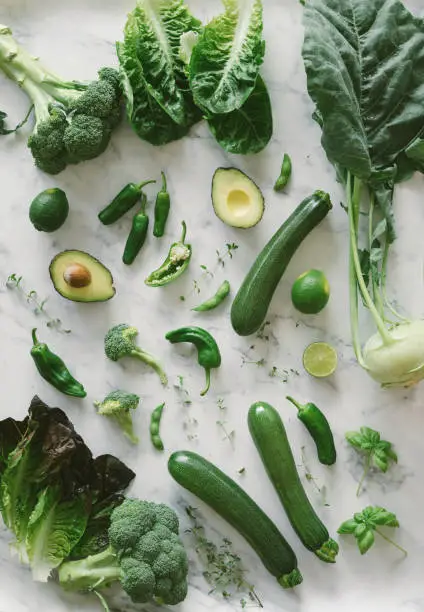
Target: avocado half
x,y
80,277
236,199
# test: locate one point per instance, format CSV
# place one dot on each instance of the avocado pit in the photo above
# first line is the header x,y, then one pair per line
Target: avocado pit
x,y
77,276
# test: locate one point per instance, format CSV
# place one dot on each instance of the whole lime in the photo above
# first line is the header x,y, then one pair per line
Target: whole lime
x,y
49,210
310,292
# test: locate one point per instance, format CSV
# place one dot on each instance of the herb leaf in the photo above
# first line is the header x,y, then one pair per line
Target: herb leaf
x,y
363,525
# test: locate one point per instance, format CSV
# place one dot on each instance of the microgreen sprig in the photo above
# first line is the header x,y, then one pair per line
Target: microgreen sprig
x,y
363,525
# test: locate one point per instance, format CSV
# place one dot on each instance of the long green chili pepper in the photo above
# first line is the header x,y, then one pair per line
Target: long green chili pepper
x,y
53,369
285,174
319,428
155,420
138,233
215,300
174,265
208,354
162,207
123,202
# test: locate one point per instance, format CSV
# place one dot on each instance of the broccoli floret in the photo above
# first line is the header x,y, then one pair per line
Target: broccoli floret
x,y
147,566
118,405
120,342
73,121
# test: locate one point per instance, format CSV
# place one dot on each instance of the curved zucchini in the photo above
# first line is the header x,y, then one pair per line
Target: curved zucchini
x,y
252,301
269,435
213,487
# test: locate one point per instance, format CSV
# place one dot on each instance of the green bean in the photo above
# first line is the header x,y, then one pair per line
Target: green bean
x,y
216,299
285,174
155,420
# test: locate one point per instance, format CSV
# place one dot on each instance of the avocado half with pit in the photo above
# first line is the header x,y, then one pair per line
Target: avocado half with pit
x,y
236,199
80,277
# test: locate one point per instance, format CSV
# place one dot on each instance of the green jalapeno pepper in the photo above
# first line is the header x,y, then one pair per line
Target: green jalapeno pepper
x,y
319,428
162,207
124,201
138,233
53,370
285,174
155,420
208,354
174,265
215,300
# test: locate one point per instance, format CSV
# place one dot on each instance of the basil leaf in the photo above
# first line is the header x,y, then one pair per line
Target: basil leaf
x,y
348,527
365,541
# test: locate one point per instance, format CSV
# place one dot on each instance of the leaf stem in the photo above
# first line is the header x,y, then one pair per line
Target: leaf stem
x,y
375,288
384,284
364,474
354,316
390,541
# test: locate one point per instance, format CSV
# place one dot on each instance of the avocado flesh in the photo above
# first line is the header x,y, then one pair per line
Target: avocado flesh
x,y
101,286
236,199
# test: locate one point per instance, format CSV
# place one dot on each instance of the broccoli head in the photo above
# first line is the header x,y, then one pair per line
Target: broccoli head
x,y
120,342
144,554
118,405
73,121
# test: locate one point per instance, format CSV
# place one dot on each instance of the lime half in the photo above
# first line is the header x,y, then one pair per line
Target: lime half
x,y
320,359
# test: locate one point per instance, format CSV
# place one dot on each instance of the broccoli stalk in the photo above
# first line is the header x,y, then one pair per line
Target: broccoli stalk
x,y
73,121
117,405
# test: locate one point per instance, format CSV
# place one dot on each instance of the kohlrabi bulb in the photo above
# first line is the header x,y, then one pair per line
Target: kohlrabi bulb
x,y
399,363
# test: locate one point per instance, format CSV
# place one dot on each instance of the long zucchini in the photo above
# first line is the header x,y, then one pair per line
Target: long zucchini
x,y
216,489
270,437
252,301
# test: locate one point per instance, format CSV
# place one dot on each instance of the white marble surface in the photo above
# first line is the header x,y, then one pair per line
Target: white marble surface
x,y
78,36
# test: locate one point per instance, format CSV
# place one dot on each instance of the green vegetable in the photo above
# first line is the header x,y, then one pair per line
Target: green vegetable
x,y
144,554
120,342
162,207
160,106
53,369
174,265
319,428
223,495
252,301
52,491
364,523
123,202
310,292
270,437
118,405
222,293
208,354
49,210
370,153
378,453
138,234
73,121
285,174
155,419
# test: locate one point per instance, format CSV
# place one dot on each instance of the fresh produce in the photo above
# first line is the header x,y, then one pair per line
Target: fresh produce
x,y
252,301
123,202
236,199
378,453
175,264
221,294
52,368
319,428
80,277
320,359
144,554
223,495
371,131
3,116
53,494
120,342
49,210
155,419
208,354
138,234
363,525
270,437
73,121
117,405
310,292
162,208
285,174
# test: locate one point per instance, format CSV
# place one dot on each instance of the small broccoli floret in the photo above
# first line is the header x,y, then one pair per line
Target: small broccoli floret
x,y
74,121
138,580
166,516
120,342
118,405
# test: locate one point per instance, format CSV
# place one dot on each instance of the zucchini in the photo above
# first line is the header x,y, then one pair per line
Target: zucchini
x,y
216,489
269,435
252,301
